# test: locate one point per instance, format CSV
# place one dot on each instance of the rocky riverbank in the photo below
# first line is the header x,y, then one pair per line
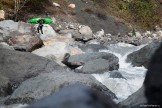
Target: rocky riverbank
x,y
35,65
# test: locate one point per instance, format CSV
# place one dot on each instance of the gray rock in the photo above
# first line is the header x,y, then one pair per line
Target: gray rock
x,y
116,74
91,48
99,34
75,33
48,83
99,66
80,59
86,32
10,28
5,46
3,85
19,66
57,49
48,32
1,35
76,96
135,100
2,100
143,56
69,35
153,81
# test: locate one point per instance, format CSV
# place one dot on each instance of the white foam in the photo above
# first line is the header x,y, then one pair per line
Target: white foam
x,y
134,75
15,106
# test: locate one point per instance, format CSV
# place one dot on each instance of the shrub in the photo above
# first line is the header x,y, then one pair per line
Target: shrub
x,y
144,12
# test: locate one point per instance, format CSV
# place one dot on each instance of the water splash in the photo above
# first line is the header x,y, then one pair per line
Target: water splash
x,y
134,75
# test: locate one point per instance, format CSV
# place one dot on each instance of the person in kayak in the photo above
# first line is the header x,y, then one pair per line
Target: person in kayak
x,y
40,26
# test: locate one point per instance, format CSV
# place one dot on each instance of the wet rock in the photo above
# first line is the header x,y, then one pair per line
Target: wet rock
x,y
81,59
91,48
143,56
48,83
25,42
18,66
116,74
76,96
136,100
98,66
153,81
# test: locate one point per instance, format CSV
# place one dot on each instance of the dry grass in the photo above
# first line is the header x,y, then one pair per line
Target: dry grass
x,y
143,13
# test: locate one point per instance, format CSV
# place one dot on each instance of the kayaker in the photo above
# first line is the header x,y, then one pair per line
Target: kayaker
x,y
40,26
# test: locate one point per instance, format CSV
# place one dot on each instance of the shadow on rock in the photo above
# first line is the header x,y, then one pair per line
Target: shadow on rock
x,y
75,96
153,81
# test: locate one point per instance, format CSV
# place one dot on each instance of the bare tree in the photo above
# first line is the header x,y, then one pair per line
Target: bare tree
x,y
19,4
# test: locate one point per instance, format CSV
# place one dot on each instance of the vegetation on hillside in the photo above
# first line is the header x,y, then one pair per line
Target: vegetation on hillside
x,y
144,13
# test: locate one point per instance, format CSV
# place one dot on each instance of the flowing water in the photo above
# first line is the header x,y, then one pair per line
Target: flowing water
x,y
134,75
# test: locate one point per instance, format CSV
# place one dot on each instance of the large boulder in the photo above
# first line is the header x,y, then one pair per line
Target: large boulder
x,y
57,49
18,66
10,28
98,66
91,48
75,96
25,42
143,56
81,59
153,81
136,100
48,32
48,83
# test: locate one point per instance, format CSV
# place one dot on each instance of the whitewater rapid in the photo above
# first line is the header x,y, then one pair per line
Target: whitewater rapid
x,y
134,75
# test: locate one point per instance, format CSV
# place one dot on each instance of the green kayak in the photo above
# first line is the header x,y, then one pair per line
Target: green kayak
x,y
46,20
